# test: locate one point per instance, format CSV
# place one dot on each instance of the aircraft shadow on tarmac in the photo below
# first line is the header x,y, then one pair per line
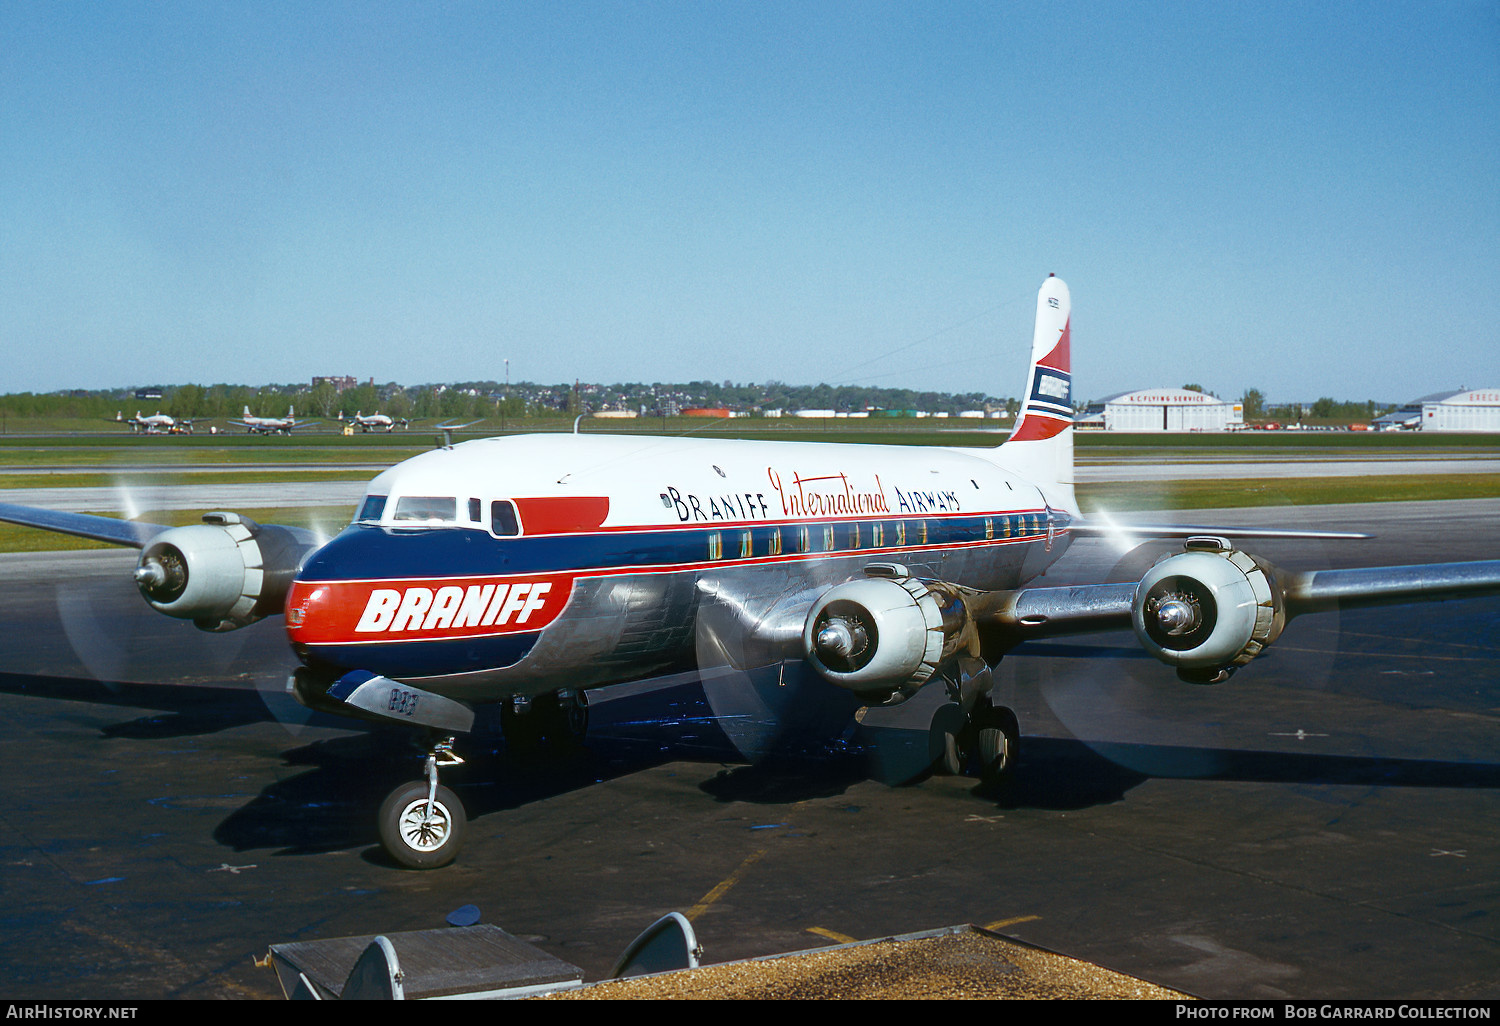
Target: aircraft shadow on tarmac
x,y
328,807
182,710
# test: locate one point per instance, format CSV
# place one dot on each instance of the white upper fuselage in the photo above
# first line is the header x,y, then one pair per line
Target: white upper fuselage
x,y
658,481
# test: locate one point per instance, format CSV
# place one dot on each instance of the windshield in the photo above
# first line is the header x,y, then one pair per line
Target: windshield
x,y
371,510
426,509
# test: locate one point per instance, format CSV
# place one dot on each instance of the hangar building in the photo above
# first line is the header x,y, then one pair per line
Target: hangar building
x,y
1475,409
1163,409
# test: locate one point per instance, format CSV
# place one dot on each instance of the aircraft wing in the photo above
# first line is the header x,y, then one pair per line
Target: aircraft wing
x,y
222,574
83,525
1080,609
1211,609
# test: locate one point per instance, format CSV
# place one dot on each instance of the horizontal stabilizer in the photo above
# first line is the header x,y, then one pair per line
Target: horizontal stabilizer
x,y
1102,529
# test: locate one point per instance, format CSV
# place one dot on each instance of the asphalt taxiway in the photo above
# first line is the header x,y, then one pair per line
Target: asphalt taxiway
x,y
1322,826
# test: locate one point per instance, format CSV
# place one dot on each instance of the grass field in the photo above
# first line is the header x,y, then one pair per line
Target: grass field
x,y
103,460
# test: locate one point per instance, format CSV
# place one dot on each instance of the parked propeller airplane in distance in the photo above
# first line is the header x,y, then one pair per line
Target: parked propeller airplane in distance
x,y
862,590
157,424
375,422
271,425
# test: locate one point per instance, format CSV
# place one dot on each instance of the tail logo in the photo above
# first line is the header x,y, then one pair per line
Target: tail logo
x,y
1049,408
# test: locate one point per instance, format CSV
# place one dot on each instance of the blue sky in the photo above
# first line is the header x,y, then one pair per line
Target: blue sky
x,y
1300,198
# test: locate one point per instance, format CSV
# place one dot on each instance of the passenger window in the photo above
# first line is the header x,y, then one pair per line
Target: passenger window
x,y
503,518
715,545
426,509
475,511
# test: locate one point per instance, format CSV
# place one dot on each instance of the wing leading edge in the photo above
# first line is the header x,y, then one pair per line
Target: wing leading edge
x,y
132,533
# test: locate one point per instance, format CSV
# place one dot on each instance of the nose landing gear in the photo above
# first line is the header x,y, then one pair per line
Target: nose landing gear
x,y
421,822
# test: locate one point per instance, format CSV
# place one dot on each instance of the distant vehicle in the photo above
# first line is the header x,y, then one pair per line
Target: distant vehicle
x,y
157,424
375,422
271,425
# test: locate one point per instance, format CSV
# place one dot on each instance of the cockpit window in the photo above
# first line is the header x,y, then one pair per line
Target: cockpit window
x,y
426,509
371,510
503,518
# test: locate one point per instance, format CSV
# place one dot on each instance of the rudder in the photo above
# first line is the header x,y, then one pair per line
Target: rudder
x,y
1041,446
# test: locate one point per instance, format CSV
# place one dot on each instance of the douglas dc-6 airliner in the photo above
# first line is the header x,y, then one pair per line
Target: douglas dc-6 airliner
x,y
883,581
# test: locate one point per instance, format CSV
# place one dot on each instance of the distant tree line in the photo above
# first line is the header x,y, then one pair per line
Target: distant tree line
x,y
476,400
1325,408
483,399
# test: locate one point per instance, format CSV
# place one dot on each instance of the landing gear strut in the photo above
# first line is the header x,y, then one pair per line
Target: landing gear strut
x,y
422,822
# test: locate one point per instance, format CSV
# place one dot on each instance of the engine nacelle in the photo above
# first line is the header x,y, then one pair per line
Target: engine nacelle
x,y
1208,611
884,633
222,574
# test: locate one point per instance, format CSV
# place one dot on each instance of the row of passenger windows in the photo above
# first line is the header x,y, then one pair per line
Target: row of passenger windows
x,y
437,510
774,541
441,510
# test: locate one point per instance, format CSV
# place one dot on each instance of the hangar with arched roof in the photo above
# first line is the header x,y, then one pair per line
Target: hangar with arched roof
x,y
1163,409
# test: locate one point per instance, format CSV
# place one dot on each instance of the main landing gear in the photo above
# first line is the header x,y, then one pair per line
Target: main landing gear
x,y
986,746
422,822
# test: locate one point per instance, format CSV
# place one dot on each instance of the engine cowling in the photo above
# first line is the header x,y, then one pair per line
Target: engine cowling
x,y
1209,610
223,574
885,633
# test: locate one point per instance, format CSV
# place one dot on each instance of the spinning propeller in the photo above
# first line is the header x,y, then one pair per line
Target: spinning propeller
x,y
1108,692
748,639
216,569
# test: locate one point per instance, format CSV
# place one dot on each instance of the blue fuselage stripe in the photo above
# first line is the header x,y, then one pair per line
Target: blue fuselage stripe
x,y
363,552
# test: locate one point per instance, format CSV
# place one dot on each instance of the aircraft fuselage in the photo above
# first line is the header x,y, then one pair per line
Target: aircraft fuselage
x,y
518,566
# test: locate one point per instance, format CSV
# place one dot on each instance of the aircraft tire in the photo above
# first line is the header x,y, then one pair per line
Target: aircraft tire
x,y
413,839
998,744
951,762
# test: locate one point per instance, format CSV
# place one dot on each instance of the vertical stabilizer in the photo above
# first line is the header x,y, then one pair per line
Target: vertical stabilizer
x,y
1040,448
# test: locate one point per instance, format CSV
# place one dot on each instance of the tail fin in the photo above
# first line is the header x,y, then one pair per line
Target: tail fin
x,y
1041,446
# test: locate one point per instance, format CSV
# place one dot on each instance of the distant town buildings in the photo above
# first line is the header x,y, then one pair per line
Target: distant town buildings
x,y
339,384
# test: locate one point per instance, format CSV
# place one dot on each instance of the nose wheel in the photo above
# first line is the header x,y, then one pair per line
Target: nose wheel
x,y
422,822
